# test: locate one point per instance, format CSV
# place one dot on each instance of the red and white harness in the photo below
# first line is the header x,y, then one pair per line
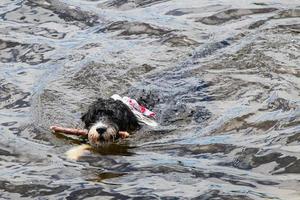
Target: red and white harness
x,y
142,113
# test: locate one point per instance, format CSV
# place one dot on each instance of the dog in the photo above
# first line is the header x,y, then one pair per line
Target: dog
x,y
106,119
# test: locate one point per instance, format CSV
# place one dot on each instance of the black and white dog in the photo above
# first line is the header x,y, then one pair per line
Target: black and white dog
x,y
109,119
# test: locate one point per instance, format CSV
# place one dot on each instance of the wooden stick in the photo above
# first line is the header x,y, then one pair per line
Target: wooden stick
x,y
81,132
70,131
123,134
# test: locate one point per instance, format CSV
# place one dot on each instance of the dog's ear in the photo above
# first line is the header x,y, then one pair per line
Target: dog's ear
x,y
87,118
84,117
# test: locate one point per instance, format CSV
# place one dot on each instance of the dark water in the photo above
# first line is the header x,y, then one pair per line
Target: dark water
x,y
226,73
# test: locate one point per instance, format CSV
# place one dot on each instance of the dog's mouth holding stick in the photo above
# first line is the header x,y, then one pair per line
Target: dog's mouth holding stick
x,y
80,132
107,120
76,152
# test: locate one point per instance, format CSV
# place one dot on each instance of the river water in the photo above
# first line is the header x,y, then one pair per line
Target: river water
x,y
226,74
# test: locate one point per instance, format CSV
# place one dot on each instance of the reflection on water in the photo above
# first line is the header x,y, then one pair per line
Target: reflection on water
x,y
225,80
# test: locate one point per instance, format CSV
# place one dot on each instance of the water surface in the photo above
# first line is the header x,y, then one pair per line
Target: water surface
x,y
226,74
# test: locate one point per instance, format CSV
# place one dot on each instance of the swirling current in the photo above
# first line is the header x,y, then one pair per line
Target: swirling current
x,y
226,74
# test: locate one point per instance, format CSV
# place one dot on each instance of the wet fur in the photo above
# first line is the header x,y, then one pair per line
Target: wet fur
x,y
114,114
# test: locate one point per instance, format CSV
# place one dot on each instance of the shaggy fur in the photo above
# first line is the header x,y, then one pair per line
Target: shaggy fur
x,y
105,118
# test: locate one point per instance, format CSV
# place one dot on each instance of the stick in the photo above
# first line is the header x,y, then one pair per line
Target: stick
x,y
81,132
70,131
123,134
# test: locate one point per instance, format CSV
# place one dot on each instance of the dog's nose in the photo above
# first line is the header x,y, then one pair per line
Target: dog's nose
x,y
101,130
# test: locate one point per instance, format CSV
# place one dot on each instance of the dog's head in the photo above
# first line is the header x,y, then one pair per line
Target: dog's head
x,y
103,131
105,118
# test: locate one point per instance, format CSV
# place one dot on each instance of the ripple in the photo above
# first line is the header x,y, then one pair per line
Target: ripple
x,y
232,14
28,53
127,4
134,28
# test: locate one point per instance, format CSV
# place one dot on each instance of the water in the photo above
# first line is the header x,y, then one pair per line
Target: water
x,y
226,74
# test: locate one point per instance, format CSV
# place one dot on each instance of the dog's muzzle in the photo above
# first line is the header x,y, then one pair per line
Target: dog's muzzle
x,y
101,133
